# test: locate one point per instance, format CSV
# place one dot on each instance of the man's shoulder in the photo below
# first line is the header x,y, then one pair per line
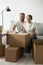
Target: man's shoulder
x,y
17,22
20,22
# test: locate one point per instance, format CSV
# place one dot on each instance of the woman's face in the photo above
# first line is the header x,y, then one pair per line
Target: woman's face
x,y
28,19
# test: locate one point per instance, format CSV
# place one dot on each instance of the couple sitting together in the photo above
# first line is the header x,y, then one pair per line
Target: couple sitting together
x,y
26,27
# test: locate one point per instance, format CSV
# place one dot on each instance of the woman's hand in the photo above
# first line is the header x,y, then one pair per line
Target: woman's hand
x,y
33,32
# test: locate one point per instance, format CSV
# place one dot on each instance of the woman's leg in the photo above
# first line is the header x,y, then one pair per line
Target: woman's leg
x,y
31,42
28,48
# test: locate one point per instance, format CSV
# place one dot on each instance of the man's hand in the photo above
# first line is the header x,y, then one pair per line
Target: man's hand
x,y
23,30
16,32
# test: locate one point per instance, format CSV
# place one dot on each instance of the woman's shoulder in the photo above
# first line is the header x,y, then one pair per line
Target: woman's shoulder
x,y
33,23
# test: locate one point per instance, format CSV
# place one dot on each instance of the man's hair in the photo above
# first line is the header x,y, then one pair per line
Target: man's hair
x,y
23,14
30,16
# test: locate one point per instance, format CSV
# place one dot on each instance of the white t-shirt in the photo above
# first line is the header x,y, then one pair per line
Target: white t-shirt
x,y
29,27
19,26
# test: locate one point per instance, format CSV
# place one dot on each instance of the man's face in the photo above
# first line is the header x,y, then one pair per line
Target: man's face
x,y
28,19
22,17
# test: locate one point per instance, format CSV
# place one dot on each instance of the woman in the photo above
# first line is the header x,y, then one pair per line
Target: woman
x,y
31,29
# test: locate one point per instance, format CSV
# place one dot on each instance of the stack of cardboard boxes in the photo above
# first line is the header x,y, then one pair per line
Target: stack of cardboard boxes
x,y
0,29
17,42
2,50
2,47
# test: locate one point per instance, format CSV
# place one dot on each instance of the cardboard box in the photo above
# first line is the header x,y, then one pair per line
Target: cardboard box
x,y
0,39
37,42
2,50
21,40
0,29
12,54
38,51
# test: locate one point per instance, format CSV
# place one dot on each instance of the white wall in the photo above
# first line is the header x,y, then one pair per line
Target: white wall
x,y
34,7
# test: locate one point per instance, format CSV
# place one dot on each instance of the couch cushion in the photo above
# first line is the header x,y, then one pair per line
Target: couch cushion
x,y
39,28
39,37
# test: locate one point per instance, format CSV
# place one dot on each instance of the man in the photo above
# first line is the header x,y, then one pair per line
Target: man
x,y
20,24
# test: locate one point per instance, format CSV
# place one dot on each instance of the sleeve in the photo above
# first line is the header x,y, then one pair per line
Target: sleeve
x,y
33,27
13,26
16,30
15,23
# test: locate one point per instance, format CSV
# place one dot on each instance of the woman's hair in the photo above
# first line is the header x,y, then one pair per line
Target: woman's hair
x,y
30,16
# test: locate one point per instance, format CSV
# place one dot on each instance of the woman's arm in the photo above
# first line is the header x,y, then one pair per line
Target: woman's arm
x,y
34,31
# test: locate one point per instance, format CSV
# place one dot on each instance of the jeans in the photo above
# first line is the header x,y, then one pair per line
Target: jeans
x,y
28,49
31,41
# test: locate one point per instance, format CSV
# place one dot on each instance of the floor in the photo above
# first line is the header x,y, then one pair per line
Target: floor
x,y
25,60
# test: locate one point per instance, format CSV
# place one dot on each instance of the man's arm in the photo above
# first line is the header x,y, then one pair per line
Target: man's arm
x,y
13,27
